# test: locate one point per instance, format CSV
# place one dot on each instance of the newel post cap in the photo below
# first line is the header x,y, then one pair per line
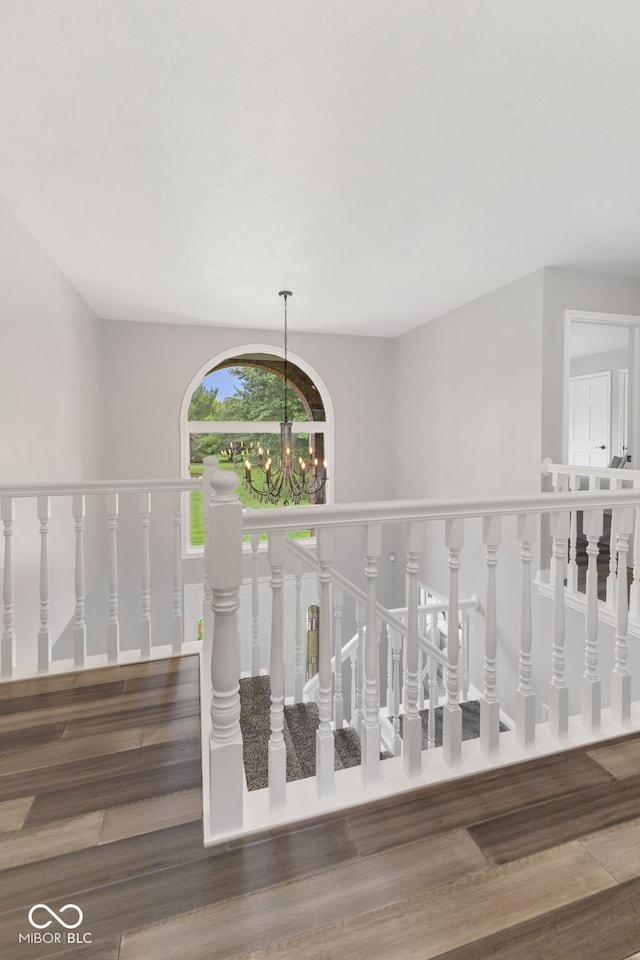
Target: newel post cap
x,y
223,486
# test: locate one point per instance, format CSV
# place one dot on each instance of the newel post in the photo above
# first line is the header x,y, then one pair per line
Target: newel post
x,y
210,467
225,576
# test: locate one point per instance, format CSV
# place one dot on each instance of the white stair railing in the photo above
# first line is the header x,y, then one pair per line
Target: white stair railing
x,y
455,758
79,526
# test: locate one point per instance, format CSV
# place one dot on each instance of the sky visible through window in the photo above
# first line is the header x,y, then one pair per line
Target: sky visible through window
x,y
223,380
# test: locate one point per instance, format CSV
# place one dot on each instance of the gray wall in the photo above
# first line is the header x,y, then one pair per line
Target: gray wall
x,y
49,414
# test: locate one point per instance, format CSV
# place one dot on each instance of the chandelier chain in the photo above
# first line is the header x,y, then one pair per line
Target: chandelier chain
x,y
286,365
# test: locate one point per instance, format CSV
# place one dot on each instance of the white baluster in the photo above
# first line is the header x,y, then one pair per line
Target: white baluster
x,y
451,713
277,749
300,646
338,702
464,653
420,680
145,597
79,624
412,722
572,569
370,767
255,606
433,702
525,697
353,659
489,703
389,700
559,483
620,677
558,689
395,641
634,598
226,773
113,621
177,628
611,579
325,781
44,633
8,650
591,694
634,593
361,616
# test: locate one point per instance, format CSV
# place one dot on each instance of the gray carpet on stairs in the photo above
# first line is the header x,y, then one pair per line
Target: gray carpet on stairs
x,y
300,724
470,723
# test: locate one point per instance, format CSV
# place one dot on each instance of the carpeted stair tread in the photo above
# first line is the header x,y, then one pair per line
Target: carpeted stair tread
x,y
470,723
301,722
348,747
255,705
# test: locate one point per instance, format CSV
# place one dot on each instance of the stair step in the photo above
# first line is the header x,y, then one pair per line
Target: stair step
x,y
301,721
470,723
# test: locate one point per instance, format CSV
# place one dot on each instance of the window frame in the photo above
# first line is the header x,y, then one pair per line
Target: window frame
x,y
189,427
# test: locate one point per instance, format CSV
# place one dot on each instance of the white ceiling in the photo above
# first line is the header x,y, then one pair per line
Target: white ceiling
x,y
182,160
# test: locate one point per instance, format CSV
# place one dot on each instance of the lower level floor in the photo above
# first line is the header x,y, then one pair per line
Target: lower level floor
x,y
101,846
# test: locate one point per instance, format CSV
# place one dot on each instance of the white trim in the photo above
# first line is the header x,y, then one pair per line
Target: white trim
x,y
591,316
623,409
275,351
249,426
186,427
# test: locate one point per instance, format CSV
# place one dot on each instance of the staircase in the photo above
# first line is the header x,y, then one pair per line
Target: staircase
x,y
470,723
300,724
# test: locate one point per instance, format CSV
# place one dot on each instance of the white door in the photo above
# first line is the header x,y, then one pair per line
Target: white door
x,y
590,420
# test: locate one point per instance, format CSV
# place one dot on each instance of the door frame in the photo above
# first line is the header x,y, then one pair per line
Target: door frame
x,y
632,322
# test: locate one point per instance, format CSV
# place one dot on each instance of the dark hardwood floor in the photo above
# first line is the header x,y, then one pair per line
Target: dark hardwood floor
x,y
100,807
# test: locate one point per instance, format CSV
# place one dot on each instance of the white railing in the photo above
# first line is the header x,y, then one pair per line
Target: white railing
x,y
518,649
571,477
87,552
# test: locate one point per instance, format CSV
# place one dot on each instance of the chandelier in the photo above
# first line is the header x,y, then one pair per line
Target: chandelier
x,y
285,482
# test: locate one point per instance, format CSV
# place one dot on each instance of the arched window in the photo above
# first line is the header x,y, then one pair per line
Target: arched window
x,y
234,406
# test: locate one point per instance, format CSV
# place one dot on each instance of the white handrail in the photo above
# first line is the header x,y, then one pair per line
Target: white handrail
x,y
359,595
88,487
314,681
394,511
549,468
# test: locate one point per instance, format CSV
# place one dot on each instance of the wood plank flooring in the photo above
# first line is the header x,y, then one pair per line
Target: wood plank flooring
x,y
100,806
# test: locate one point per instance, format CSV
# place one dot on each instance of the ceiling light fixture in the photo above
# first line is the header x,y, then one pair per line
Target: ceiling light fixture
x,y
285,482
